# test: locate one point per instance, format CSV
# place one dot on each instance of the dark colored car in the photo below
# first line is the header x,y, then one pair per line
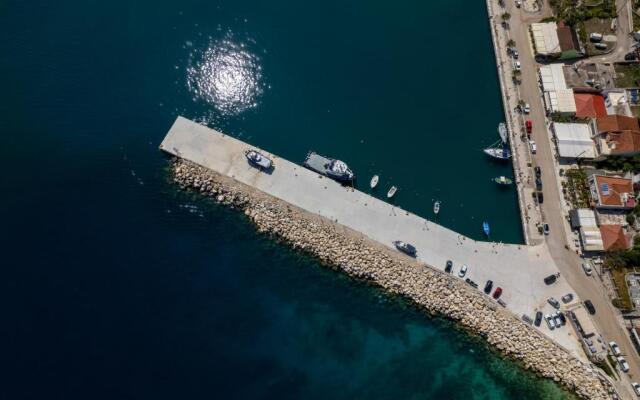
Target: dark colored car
x,y
563,319
630,56
538,171
471,283
551,279
448,267
540,197
545,229
538,183
589,306
488,286
538,318
497,293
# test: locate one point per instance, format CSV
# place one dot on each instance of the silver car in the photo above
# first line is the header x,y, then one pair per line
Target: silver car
x,y
550,322
554,303
587,269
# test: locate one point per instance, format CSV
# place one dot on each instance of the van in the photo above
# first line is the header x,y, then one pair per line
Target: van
x,y
595,37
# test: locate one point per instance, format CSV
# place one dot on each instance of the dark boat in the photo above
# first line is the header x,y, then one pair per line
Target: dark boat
x,y
334,169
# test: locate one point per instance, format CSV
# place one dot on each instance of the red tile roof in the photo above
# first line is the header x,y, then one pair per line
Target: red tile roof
x,y
589,105
625,142
613,238
616,188
567,38
614,123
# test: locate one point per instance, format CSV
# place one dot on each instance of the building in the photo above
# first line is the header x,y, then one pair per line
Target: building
x,y
574,140
582,217
545,39
589,105
569,43
617,123
585,220
623,144
617,102
614,238
557,97
612,192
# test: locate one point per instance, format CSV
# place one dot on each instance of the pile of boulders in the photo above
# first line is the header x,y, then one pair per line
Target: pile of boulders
x,y
428,288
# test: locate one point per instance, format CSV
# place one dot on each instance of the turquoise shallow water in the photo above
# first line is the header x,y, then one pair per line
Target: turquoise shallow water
x,y
115,285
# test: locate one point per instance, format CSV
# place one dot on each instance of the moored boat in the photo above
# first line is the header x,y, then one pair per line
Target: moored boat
x,y
258,159
334,169
374,181
436,207
485,228
392,191
500,153
503,180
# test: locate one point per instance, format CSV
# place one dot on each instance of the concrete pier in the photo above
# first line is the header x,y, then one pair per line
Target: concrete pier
x,y
518,269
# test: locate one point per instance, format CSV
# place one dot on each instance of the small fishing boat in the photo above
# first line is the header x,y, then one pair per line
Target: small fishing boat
x,y
503,180
485,228
374,181
436,207
392,191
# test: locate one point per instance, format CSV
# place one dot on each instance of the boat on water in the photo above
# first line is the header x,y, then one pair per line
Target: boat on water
x,y
485,228
503,180
374,181
405,248
498,152
392,191
502,131
329,167
436,207
257,159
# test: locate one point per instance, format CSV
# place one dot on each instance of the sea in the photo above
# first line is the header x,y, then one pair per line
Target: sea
x,y
117,285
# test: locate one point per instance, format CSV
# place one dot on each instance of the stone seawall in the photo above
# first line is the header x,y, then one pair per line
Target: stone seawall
x,y
429,289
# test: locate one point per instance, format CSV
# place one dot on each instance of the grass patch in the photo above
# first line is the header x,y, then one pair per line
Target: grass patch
x,y
567,11
623,302
627,75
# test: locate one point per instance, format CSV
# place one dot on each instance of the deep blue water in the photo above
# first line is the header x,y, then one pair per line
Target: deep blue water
x,y
116,285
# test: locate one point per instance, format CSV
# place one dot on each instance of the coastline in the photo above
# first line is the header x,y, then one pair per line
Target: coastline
x,y
350,252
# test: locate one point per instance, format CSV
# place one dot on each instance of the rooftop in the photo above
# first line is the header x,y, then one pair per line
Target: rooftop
x,y
613,123
624,142
567,38
589,105
545,38
614,238
613,191
574,140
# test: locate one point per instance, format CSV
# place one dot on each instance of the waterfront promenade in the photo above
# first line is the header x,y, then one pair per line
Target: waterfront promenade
x,y
518,269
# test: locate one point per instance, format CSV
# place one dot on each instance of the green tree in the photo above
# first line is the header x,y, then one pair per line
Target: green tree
x,y
506,16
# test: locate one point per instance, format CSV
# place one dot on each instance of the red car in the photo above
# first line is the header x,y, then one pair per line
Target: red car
x,y
497,293
529,125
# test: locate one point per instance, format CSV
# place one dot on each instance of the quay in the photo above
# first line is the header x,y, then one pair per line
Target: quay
x,y
518,269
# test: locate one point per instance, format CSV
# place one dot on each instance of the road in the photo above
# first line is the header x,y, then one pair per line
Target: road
x,y
607,319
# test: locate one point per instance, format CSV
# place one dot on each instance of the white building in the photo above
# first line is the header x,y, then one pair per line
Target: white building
x,y
574,140
557,97
545,38
617,102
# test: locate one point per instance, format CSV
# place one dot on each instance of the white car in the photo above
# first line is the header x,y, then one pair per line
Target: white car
x,y
532,146
550,322
515,54
587,269
518,3
615,349
463,271
517,66
623,364
636,388
526,108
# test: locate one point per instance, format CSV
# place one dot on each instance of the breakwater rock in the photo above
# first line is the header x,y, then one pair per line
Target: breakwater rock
x,y
429,289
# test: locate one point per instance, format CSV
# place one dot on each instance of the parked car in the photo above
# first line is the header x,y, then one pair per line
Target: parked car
x,y
533,147
406,248
600,46
550,323
615,349
448,267
589,306
540,197
567,298
636,388
471,283
517,66
518,3
488,286
623,364
545,229
527,319
497,293
538,319
557,319
554,303
526,108
529,125
538,183
551,279
515,54
631,56
587,269
538,171
463,271
563,319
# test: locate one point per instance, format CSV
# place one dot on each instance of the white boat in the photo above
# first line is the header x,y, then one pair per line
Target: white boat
x,y
501,153
502,131
392,191
374,181
436,207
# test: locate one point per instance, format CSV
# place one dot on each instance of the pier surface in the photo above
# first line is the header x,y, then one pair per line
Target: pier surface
x,y
518,269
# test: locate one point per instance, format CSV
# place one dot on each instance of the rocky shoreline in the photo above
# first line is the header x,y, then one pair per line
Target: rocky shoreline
x,y
429,289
